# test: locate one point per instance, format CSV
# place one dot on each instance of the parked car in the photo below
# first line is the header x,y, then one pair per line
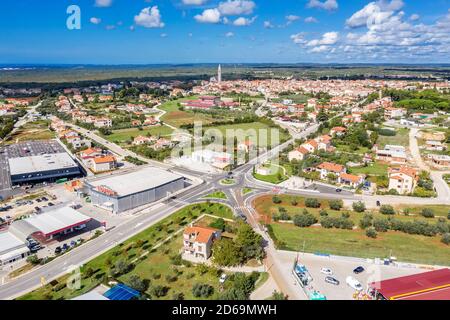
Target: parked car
x,y
35,248
353,283
58,250
332,280
378,203
326,271
65,247
73,243
358,270
50,204
338,190
223,278
44,199
38,200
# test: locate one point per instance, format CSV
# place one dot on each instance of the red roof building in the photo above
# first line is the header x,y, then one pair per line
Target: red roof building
x,y
432,285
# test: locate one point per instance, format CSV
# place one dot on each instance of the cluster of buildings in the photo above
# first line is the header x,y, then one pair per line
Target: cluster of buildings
x,y
209,102
322,143
153,142
71,136
98,160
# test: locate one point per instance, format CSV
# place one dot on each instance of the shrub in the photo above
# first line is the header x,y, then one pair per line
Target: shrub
x,y
137,283
312,203
178,296
294,202
276,200
345,215
371,232
202,290
159,291
284,216
359,206
366,221
323,213
427,213
446,238
381,225
304,220
336,204
387,209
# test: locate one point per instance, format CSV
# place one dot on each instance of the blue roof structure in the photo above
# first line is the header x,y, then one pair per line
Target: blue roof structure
x,y
121,292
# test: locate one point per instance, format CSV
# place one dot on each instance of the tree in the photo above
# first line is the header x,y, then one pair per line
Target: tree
x,y
427,213
387,209
33,259
276,200
226,253
312,203
336,204
381,225
446,238
249,242
366,221
159,291
304,220
371,232
137,283
278,296
202,290
359,206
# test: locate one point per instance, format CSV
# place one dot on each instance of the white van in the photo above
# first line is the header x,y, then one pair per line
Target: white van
x,y
353,283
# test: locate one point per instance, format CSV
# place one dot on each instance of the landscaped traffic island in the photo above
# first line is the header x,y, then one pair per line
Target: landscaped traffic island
x,y
417,235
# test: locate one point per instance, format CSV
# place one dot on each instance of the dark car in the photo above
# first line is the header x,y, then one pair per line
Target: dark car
x,y
332,280
37,209
44,199
338,190
358,270
378,203
38,200
58,250
50,204
65,247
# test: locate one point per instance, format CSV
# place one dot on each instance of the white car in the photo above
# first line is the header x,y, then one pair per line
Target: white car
x,y
326,271
353,283
223,278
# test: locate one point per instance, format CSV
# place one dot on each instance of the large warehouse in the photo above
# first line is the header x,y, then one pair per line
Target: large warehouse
x,y
36,161
12,248
122,192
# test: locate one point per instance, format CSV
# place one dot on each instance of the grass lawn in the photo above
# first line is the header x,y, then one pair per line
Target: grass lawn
x,y
155,266
124,135
407,248
262,137
347,149
374,169
37,130
216,195
439,210
400,139
276,175
246,191
228,182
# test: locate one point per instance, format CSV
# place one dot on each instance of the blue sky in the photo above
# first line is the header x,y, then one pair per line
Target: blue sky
x,y
226,31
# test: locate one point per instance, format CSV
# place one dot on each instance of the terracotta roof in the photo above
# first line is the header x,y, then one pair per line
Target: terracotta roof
x,y
91,150
202,234
404,170
302,150
104,159
312,143
331,167
339,129
350,177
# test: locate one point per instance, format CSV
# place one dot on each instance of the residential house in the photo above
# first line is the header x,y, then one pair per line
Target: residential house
x,y
338,131
326,168
351,180
103,123
298,154
140,140
91,153
391,113
392,154
440,161
103,163
403,179
198,241
435,145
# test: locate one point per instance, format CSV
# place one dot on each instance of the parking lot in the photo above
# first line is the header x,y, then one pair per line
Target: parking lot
x,y
341,268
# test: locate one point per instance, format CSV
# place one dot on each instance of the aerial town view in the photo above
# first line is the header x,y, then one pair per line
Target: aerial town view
x,y
228,150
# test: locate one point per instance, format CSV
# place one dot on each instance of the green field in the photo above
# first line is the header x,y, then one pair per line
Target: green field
x,y
33,131
153,265
264,135
276,176
375,169
400,139
407,248
176,117
121,136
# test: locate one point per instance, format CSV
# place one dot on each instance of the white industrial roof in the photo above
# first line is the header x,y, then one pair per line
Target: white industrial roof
x,y
137,181
9,241
58,219
92,295
38,163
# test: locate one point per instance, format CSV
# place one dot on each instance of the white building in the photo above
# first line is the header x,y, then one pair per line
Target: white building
x,y
403,179
12,248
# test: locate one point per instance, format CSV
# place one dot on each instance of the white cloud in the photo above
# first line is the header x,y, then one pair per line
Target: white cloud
x,y
328,38
242,22
95,20
149,18
292,18
319,49
298,38
374,13
414,17
163,35
194,2
103,3
326,5
236,7
268,25
229,34
209,16
311,20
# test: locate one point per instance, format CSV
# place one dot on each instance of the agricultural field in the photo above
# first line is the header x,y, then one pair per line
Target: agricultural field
x,y
152,257
400,139
124,135
406,247
176,117
37,130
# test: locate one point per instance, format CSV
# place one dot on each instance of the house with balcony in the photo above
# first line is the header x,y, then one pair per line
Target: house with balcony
x,y
198,241
403,179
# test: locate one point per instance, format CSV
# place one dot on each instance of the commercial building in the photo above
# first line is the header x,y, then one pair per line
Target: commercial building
x,y
36,162
432,285
12,248
51,224
122,192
